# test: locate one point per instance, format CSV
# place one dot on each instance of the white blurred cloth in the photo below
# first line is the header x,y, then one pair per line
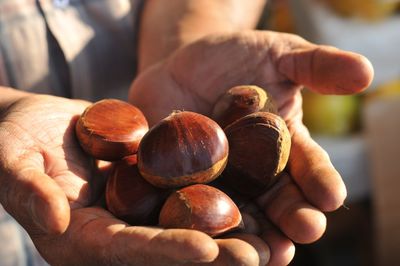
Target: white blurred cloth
x,y
16,248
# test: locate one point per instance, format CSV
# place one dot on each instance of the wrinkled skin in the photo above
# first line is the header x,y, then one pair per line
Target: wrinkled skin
x,y
50,186
195,76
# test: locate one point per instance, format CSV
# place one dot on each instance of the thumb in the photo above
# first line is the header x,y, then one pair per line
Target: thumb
x,y
35,201
327,70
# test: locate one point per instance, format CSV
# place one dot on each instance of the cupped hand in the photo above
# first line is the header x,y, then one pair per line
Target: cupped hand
x,y
196,75
49,186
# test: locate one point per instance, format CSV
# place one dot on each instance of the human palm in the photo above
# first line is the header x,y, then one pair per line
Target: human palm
x,y
37,139
195,76
50,186
44,171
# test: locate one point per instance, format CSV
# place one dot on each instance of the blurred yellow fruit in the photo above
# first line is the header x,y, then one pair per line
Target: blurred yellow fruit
x,y
370,10
331,115
389,89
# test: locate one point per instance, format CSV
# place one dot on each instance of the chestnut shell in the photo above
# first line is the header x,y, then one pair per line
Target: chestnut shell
x,y
201,207
184,148
130,197
240,101
111,129
259,150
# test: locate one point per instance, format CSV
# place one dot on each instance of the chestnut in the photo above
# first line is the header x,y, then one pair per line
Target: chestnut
x,y
200,207
240,101
259,146
111,129
130,197
184,148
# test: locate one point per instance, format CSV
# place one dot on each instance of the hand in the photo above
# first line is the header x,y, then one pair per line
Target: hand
x,y
49,185
196,75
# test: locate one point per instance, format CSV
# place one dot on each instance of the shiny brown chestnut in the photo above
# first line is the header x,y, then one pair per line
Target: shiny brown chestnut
x,y
240,101
259,146
111,129
183,149
200,207
130,197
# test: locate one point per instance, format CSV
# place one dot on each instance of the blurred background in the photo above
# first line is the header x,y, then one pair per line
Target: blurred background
x,y
359,132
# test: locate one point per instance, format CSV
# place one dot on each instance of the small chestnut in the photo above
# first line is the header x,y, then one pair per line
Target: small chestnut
x,y
111,129
240,101
259,146
130,197
183,149
200,207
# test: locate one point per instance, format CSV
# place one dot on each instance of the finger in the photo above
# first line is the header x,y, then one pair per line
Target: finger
x,y
35,201
251,225
282,249
313,171
285,206
150,246
233,251
257,243
198,246
326,69
95,237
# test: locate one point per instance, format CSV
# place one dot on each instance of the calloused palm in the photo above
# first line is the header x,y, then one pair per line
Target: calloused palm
x,y
196,75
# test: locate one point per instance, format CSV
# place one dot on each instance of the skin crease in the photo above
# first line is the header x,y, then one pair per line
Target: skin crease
x,y
45,176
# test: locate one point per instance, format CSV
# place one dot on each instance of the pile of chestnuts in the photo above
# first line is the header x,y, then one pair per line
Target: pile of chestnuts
x,y
166,175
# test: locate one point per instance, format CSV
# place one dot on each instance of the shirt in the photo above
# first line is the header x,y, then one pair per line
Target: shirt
x,y
72,48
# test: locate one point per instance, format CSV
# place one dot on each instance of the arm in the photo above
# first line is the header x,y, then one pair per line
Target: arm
x,y
168,25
